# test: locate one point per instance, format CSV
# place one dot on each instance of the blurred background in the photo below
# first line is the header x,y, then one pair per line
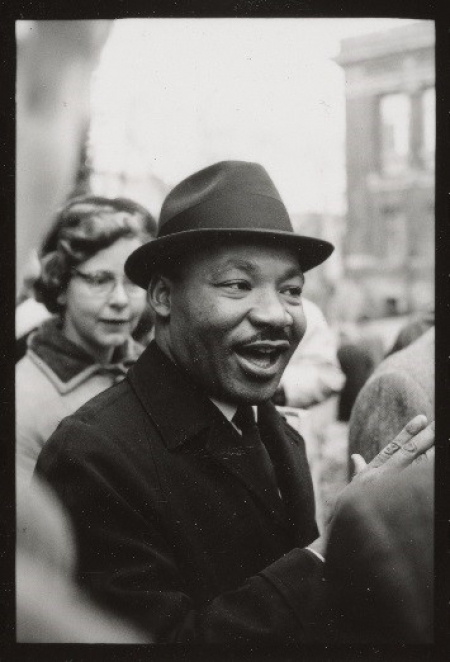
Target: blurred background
x,y
341,112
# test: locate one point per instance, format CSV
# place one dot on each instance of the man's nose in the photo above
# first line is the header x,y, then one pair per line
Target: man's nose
x,y
270,309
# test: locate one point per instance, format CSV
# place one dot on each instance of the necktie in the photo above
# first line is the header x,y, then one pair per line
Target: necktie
x,y
251,440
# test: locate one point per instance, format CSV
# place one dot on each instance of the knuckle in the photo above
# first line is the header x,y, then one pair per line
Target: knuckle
x,y
391,448
409,447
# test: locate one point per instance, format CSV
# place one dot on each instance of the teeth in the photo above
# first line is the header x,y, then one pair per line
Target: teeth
x,y
263,357
262,361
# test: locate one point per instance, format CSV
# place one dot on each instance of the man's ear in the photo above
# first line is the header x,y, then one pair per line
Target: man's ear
x,y
159,295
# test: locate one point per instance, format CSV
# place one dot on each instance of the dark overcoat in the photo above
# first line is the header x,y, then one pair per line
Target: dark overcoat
x,y
380,562
175,528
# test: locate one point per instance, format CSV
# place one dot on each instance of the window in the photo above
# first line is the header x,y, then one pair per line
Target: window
x,y
395,120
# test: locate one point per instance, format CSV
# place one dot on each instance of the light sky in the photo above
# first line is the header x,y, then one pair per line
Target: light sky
x,y
171,96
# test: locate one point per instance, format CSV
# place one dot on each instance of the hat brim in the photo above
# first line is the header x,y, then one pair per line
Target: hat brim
x,y
144,261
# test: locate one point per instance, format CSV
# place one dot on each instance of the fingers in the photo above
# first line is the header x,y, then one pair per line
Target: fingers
x,y
410,451
411,429
359,464
427,456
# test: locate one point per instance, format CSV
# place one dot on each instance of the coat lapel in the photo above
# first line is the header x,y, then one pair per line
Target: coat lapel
x,y
288,454
185,416
224,446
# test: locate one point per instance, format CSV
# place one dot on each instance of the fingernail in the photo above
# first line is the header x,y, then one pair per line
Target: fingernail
x,y
416,424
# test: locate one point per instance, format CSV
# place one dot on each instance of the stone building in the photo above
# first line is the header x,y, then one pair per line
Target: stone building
x,y
390,147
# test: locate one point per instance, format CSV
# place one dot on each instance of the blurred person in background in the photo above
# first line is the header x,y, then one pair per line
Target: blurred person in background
x,y
401,387
50,608
358,356
416,327
313,374
86,345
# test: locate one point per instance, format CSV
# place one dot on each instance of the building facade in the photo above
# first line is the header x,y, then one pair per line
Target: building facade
x,y
390,149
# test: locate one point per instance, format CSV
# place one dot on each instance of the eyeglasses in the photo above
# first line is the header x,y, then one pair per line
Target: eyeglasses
x,y
103,283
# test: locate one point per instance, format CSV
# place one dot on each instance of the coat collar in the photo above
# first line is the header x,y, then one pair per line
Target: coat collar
x,y
178,407
181,411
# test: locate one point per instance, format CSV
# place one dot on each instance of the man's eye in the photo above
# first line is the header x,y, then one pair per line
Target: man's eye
x,y
294,291
236,285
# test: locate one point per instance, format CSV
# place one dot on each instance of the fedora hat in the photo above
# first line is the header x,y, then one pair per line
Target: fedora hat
x,y
231,201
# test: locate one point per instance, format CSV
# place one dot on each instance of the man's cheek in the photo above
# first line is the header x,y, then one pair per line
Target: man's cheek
x,y
299,332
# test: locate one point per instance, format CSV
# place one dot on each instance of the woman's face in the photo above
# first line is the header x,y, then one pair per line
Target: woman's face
x,y
101,306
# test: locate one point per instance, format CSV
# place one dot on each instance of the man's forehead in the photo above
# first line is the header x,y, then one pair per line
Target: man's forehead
x,y
248,257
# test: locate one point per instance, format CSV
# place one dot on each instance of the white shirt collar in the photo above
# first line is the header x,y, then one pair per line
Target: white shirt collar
x,y
229,410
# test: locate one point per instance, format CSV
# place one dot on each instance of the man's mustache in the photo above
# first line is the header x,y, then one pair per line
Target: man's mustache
x,y
270,335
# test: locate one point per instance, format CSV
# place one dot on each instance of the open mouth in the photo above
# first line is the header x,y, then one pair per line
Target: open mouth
x,y
262,357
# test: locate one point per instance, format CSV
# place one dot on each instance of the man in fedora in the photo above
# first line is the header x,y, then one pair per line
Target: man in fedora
x,y
195,520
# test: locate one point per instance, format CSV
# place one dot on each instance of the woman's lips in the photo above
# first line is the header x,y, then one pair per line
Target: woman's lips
x,y
115,322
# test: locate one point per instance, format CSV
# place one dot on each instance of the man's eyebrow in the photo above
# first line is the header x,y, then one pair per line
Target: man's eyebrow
x,y
249,267
233,263
293,272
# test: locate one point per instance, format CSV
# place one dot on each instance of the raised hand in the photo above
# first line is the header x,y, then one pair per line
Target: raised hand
x,y
413,444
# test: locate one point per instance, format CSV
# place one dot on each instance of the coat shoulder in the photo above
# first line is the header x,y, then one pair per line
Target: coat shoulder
x,y
103,427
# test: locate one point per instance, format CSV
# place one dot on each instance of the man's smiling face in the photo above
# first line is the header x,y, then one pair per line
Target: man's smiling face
x,y
236,317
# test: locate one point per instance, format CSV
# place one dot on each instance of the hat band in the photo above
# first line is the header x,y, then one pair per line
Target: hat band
x,y
231,212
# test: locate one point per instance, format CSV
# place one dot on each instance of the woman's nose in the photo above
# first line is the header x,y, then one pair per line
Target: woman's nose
x,y
119,295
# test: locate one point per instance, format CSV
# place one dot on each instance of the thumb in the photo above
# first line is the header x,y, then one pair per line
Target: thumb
x,y
359,463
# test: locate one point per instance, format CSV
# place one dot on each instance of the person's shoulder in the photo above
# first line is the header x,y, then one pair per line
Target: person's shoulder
x,y
104,425
418,357
109,407
25,365
391,496
390,392
31,379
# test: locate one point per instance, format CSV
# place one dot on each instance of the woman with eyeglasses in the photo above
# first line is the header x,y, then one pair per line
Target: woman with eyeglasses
x,y
86,346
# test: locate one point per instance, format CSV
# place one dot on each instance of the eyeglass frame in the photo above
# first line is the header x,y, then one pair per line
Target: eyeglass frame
x,y
107,288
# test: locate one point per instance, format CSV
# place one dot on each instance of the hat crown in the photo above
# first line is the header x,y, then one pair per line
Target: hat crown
x,y
226,184
230,201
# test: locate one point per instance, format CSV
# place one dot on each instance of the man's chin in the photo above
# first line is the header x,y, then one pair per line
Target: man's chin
x,y
251,394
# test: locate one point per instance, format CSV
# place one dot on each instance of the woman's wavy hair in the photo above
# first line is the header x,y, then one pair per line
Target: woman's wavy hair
x,y
83,227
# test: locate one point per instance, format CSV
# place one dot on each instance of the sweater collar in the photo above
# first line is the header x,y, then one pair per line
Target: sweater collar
x,y
68,360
